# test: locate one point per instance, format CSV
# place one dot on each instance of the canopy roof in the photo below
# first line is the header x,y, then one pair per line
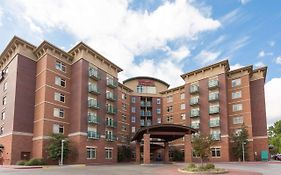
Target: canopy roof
x,y
166,132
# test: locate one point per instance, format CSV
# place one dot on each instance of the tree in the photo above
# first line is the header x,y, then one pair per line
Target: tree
x,y
54,147
274,134
238,139
202,146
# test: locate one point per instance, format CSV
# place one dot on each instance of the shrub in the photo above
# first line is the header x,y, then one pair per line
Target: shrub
x,y
209,166
191,165
34,161
21,162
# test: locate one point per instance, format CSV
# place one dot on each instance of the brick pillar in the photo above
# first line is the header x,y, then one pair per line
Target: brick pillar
x,y
146,149
187,148
138,152
166,152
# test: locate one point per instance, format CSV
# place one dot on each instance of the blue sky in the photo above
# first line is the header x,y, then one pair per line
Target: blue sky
x,y
158,38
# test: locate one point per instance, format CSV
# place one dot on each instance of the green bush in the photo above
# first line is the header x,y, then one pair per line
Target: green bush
x,y
35,162
209,166
191,166
21,162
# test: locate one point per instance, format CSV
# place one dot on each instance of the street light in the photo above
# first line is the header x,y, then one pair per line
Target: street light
x,y
61,155
243,150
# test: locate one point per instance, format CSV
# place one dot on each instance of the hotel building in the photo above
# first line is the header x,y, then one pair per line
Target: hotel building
x,y
46,90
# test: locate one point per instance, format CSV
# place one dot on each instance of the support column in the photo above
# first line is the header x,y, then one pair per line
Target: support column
x,y
146,149
138,152
187,148
166,152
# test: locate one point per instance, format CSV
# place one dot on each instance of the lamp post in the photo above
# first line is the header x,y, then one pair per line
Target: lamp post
x,y
61,155
243,151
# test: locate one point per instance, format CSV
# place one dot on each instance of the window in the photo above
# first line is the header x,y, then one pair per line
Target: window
x,y
133,109
182,96
158,101
236,95
91,153
60,66
133,99
146,89
58,128
159,120
1,130
124,128
5,86
216,152
133,129
236,82
182,116
124,97
158,111
169,99
3,115
237,120
58,112
170,109
182,106
59,81
237,107
124,107
124,117
59,97
108,153
170,119
4,101
133,119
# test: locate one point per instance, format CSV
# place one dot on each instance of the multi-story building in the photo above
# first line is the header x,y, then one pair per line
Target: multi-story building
x,y
46,90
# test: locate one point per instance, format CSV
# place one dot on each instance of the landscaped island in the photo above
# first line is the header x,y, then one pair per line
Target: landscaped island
x,y
206,169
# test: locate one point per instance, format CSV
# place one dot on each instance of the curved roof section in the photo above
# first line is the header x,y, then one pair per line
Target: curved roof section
x,y
167,132
146,77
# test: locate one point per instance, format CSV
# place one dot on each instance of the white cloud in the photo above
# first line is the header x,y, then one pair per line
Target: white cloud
x,y
207,57
272,98
235,66
243,2
1,15
262,53
271,43
278,60
117,32
259,64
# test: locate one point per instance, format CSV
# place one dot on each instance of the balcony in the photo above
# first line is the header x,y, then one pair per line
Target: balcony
x,y
194,89
214,123
194,113
93,135
93,119
93,104
110,137
195,125
111,110
213,84
194,101
213,96
93,89
148,113
111,83
94,74
110,96
146,104
216,136
214,110
111,123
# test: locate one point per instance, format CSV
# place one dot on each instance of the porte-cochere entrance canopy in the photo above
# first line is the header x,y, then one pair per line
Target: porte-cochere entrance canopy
x,y
163,133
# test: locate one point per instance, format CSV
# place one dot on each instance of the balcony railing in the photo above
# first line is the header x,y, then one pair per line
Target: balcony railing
x,y
214,123
94,73
110,137
93,135
93,89
195,125
216,136
93,104
213,96
111,110
214,109
194,113
194,101
111,83
110,96
213,84
111,123
93,119
146,104
194,89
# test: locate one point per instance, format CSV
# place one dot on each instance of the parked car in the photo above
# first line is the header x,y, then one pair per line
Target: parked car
x,y
278,157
